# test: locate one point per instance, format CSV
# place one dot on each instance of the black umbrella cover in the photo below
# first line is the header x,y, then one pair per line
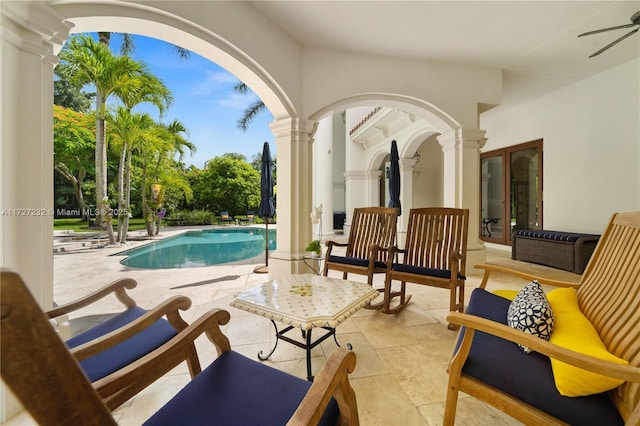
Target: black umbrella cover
x,y
267,208
394,178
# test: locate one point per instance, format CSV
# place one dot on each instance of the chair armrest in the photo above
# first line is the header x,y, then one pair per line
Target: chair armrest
x,y
161,360
330,245
169,308
332,380
118,287
501,269
606,368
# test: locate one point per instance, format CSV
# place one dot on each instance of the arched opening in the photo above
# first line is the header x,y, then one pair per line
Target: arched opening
x,y
361,152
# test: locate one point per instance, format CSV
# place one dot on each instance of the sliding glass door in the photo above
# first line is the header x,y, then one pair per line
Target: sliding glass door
x,y
511,191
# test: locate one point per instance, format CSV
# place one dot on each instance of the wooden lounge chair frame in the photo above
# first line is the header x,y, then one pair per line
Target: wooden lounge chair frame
x,y
50,384
608,294
112,395
371,228
435,254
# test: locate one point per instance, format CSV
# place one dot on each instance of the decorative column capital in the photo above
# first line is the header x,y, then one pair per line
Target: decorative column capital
x,y
467,138
34,28
285,127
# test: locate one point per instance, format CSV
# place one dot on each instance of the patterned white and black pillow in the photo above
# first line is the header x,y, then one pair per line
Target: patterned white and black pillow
x,y
530,312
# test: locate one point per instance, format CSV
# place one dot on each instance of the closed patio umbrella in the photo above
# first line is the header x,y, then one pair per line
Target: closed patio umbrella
x,y
267,209
394,178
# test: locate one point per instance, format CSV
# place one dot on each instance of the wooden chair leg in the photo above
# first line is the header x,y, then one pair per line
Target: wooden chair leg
x,y
454,303
451,404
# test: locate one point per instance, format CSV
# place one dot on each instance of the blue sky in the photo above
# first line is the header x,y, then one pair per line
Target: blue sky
x,y
204,101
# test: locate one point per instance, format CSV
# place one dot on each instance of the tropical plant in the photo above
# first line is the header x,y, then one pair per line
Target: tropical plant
x,y
73,144
149,89
68,94
91,62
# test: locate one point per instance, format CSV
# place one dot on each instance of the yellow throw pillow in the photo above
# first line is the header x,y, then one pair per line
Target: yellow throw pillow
x,y
574,331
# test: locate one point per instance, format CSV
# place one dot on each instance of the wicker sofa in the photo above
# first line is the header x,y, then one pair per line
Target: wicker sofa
x,y
564,250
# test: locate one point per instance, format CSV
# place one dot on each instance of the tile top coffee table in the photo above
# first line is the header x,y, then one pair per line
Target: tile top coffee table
x,y
305,302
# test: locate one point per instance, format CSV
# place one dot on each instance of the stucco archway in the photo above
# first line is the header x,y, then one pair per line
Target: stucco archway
x,y
133,18
419,123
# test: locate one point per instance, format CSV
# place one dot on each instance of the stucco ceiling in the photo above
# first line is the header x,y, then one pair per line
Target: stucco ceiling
x,y
535,43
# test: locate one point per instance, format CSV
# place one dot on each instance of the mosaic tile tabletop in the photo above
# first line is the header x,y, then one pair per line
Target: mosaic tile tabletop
x,y
306,300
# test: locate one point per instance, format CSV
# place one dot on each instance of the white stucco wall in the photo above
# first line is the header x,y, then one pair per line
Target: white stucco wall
x,y
591,151
330,76
428,178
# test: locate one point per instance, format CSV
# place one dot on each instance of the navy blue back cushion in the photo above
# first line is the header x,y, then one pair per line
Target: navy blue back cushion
x,y
122,354
528,377
235,390
356,261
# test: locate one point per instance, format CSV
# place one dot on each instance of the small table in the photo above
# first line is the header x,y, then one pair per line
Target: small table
x,y
305,302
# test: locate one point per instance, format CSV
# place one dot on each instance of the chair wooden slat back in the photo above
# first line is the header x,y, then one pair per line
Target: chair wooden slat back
x,y
432,234
24,329
372,226
435,254
609,295
373,230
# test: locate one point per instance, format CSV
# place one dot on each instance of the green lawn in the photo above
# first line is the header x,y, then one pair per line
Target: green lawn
x,y
78,225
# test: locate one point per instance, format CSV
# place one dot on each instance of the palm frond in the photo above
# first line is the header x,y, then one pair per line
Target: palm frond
x,y
241,88
249,114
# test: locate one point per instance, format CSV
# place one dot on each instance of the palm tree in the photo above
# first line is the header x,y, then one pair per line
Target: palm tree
x,y
166,175
252,111
149,89
127,130
91,62
155,145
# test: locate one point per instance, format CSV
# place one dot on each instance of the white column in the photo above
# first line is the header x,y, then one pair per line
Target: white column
x,y
323,176
461,148
363,189
406,196
293,199
29,32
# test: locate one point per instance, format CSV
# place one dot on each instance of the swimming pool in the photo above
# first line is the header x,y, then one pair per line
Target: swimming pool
x,y
200,248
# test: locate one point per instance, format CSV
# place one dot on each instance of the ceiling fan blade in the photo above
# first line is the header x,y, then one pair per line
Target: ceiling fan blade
x,y
606,29
615,42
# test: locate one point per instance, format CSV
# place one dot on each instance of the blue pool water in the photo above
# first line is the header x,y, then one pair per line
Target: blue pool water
x,y
200,248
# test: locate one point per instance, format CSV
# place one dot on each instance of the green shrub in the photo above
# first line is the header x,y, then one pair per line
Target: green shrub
x,y
199,217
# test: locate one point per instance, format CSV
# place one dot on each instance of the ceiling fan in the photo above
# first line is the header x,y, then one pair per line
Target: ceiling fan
x,y
635,20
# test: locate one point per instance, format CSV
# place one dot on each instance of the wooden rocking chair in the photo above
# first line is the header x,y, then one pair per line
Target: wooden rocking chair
x,y
488,364
50,384
371,228
435,254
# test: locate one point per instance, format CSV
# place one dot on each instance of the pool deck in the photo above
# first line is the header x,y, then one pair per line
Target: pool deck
x,y
400,376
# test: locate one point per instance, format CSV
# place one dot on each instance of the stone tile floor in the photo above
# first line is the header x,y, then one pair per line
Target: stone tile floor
x,y
400,376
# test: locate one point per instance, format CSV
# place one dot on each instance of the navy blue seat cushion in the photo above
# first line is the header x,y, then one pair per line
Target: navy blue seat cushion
x,y
570,237
124,353
356,261
419,270
528,377
235,390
